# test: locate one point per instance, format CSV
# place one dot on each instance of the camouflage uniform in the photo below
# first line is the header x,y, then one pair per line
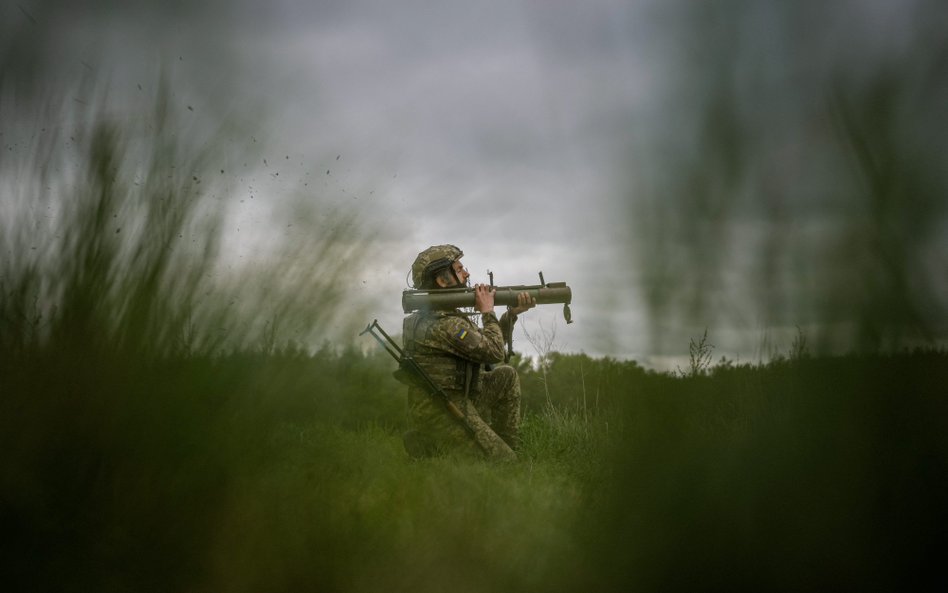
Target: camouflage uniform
x,y
457,354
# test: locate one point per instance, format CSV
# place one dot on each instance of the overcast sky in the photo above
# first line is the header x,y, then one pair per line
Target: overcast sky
x,y
497,126
506,128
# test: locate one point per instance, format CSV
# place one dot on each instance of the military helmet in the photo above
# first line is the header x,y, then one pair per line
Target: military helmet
x,y
431,261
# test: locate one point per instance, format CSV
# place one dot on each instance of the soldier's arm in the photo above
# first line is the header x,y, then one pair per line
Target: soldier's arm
x,y
464,339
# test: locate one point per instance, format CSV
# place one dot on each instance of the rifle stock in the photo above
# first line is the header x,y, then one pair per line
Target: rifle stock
x,y
455,298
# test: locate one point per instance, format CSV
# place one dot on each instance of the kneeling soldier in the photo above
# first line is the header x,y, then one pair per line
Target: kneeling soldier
x,y
460,357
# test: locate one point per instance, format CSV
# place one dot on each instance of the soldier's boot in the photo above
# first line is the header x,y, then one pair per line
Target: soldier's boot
x,y
512,440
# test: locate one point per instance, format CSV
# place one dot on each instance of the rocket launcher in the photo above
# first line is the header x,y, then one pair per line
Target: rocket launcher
x,y
545,293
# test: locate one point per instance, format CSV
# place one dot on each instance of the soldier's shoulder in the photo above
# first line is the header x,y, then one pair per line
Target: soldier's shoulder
x,y
448,327
424,317
448,319
419,322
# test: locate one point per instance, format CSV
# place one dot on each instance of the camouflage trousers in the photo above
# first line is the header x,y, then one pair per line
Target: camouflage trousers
x,y
493,413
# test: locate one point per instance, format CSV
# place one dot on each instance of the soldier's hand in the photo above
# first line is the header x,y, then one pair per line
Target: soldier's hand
x,y
483,298
525,302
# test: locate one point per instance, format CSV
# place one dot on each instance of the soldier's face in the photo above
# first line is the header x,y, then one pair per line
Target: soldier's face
x,y
460,271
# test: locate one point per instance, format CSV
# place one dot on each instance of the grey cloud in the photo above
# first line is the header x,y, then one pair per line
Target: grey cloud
x,y
529,132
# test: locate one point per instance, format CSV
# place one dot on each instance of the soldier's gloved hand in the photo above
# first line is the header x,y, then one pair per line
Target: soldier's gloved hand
x,y
483,298
525,302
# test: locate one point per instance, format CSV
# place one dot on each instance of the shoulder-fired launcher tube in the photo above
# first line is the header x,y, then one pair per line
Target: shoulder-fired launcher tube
x,y
455,298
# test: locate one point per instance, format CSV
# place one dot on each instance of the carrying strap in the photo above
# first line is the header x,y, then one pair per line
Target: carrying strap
x,y
472,373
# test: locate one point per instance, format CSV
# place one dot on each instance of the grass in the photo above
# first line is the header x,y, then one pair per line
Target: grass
x,y
189,476
247,472
348,511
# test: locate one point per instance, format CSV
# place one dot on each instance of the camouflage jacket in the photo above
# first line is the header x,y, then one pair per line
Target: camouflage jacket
x,y
451,348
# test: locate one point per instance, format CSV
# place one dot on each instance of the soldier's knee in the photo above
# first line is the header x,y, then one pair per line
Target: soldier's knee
x,y
507,373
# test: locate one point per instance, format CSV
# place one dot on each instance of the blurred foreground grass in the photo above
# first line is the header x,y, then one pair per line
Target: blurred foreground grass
x,y
252,472
285,472
347,511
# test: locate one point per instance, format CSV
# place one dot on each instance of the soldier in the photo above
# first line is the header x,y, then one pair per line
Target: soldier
x,y
460,357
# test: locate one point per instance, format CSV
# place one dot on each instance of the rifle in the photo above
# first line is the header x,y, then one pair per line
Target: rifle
x,y
454,298
410,373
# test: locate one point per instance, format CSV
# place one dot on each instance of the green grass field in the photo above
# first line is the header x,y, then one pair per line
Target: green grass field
x,y
254,472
